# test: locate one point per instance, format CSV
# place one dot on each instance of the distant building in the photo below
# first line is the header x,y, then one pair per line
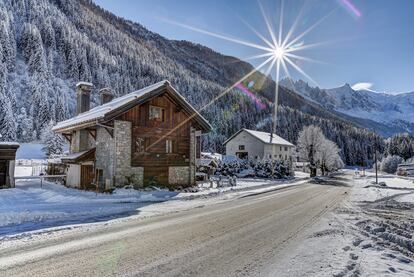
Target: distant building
x,y
7,163
405,169
148,137
250,144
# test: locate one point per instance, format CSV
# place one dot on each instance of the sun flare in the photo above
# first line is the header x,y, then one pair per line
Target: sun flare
x,y
279,53
279,50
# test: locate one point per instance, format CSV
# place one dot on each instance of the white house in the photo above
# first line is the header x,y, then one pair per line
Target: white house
x,y
250,144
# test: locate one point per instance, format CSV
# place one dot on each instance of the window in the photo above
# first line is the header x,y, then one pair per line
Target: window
x,y
280,156
169,146
280,148
286,149
198,147
241,147
156,113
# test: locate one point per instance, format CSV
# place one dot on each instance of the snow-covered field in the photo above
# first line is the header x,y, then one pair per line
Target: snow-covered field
x,y
370,234
28,207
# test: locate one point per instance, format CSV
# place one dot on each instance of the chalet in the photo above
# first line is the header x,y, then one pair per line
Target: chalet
x,y
250,144
147,137
7,163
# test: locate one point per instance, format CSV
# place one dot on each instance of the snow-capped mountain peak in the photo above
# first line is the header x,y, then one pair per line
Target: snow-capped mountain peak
x,y
361,102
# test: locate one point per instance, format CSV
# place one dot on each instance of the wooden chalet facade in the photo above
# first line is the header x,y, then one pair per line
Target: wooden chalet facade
x,y
147,137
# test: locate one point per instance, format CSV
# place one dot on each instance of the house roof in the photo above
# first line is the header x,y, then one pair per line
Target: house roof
x,y
263,137
87,155
9,145
103,112
207,162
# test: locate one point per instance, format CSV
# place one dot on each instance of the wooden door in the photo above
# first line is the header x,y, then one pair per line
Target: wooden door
x,y
3,173
87,177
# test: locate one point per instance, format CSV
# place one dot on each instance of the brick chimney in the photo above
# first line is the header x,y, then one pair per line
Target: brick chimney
x,y
83,92
106,95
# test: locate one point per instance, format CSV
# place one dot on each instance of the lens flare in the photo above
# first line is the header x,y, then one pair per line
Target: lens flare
x,y
259,104
351,7
278,52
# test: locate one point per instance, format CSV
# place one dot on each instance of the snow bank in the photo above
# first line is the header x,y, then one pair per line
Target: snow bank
x,y
33,207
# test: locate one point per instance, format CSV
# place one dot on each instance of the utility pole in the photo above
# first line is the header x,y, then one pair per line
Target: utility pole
x,y
274,125
311,161
376,166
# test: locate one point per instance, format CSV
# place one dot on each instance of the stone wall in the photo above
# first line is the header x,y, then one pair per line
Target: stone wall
x,y
123,168
191,179
179,175
105,156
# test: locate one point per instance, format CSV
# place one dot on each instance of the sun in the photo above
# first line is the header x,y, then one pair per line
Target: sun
x,y
278,49
279,53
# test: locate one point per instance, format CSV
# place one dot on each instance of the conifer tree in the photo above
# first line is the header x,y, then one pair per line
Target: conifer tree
x,y
53,143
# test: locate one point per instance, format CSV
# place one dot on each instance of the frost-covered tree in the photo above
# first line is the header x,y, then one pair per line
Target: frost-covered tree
x,y
24,126
53,143
390,163
8,126
401,145
8,45
327,157
315,148
309,143
40,104
61,111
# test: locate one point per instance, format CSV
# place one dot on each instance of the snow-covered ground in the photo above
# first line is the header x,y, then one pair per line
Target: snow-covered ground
x,y
370,234
28,207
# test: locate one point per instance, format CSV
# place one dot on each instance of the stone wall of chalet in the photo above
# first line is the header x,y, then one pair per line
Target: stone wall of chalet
x,y
124,172
105,156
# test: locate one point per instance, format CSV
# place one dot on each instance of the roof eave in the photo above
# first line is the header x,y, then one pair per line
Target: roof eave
x,y
74,127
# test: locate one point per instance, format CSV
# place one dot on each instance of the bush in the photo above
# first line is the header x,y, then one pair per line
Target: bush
x,y
253,168
390,164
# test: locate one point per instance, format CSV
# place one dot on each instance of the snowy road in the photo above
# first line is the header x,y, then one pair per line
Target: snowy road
x,y
242,236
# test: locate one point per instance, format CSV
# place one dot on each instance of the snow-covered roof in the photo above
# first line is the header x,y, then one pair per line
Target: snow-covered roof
x,y
211,155
9,143
207,162
264,137
74,157
101,111
84,84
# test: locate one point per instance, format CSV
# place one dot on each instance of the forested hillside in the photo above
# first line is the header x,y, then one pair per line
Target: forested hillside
x,y
47,46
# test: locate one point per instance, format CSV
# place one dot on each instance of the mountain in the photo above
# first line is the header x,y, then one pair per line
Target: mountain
x,y
47,46
385,113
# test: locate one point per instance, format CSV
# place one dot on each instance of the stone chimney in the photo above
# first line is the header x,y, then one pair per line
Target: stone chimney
x,y
83,92
106,95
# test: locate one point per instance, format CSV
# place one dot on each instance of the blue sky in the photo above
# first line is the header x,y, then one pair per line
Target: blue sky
x,y
372,43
